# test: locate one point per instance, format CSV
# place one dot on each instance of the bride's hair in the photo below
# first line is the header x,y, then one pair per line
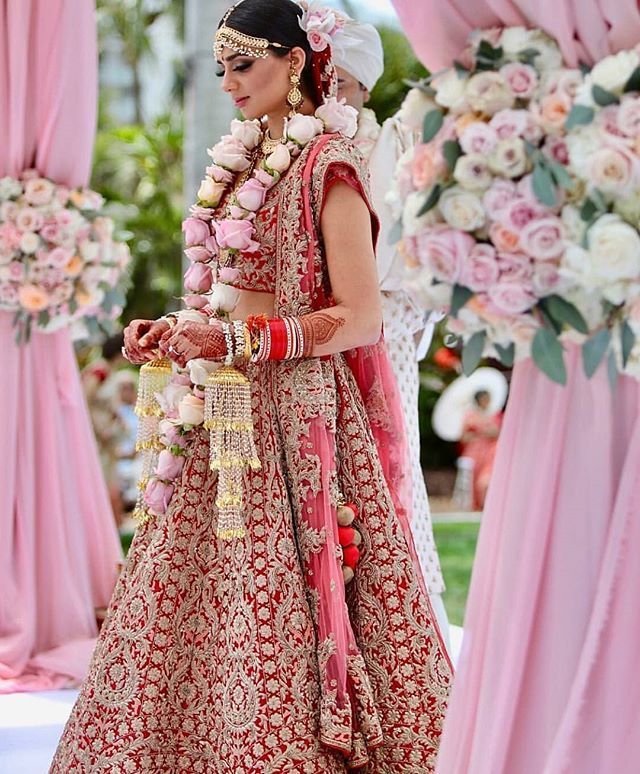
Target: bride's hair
x,y
278,22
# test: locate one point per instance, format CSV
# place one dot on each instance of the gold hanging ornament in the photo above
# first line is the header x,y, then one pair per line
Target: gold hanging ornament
x,y
154,377
228,417
294,97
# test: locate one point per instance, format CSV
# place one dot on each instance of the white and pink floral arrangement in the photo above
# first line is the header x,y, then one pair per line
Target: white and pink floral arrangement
x,y
519,210
216,238
59,262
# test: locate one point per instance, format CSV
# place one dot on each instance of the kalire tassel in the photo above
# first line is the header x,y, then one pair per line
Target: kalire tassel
x,y
227,416
154,377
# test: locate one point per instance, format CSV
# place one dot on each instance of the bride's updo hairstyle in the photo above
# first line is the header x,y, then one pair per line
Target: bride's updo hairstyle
x,y
278,22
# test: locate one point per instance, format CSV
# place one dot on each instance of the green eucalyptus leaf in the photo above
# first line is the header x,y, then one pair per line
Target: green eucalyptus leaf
x,y
593,351
579,115
627,340
633,84
432,124
451,151
603,97
588,210
506,354
548,355
459,298
543,185
564,312
472,352
560,175
612,370
431,200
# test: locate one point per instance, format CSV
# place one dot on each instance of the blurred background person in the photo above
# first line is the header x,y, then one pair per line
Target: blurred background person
x,y
480,431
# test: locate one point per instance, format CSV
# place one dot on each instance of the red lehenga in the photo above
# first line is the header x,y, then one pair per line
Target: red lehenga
x,y
248,655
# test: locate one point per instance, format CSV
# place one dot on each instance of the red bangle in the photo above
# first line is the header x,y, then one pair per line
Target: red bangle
x,y
279,339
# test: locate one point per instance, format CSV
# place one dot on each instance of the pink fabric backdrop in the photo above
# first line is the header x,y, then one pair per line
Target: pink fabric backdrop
x,y
586,30
59,549
547,678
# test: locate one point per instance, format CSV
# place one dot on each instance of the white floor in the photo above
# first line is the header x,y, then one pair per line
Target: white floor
x,y
31,724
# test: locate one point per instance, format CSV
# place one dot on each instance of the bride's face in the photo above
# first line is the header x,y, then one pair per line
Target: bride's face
x,y
258,87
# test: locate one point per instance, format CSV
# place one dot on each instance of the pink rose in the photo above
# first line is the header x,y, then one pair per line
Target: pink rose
x,y
515,266
59,257
228,274
195,231
28,219
219,174
8,211
496,199
338,117
8,293
443,250
504,239
32,298
608,120
262,176
171,434
195,301
169,465
198,254
191,410
511,297
509,123
518,213
478,137
556,148
318,40
563,82
546,278
50,232
236,235
198,278
522,79
157,496
16,271
480,270
202,213
9,237
427,166
62,194
251,195
38,191
543,238
231,155
629,117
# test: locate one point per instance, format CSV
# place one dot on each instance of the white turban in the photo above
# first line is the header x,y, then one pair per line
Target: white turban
x,y
357,48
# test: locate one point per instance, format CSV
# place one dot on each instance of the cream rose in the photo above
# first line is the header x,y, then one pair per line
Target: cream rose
x,y
614,247
488,92
191,410
9,187
610,170
224,297
200,370
462,209
279,160
210,192
414,108
451,91
509,158
612,72
472,172
29,242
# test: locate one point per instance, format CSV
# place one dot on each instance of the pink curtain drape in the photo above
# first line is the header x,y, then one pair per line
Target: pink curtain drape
x,y
587,30
59,549
546,679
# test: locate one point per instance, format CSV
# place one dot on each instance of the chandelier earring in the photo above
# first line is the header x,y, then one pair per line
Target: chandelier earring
x,y
294,97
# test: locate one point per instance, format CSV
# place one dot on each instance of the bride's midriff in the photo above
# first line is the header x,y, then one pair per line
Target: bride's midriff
x,y
253,302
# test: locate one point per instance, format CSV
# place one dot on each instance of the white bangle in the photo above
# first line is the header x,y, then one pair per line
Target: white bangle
x,y
226,329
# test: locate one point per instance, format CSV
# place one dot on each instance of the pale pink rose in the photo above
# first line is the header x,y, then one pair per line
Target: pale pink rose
x,y
556,148
554,110
518,213
546,278
231,155
612,170
478,137
32,298
279,160
629,117
157,496
172,394
202,213
498,197
228,274
427,166
504,239
443,251
169,465
171,434
563,83
236,234
59,257
64,218
38,191
8,293
198,278
50,231
62,292
318,41
195,231
239,213
219,174
511,297
607,120
543,238
251,195
338,117
509,123
29,219
9,237
62,194
302,128
210,192
195,301
480,269
8,211
522,79
198,254
248,133
191,410
16,271
533,132
515,266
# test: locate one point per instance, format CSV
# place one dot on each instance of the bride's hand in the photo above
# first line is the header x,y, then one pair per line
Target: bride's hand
x,y
188,341
141,340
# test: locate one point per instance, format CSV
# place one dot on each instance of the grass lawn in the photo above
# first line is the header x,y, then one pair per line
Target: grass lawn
x,y
456,544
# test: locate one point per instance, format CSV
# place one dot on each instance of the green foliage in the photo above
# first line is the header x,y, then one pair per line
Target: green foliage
x,y
456,543
139,171
400,65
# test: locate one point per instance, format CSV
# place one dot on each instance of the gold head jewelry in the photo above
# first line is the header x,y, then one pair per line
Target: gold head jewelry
x,y
227,37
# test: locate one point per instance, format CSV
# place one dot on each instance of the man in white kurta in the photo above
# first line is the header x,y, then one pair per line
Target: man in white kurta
x,y
357,52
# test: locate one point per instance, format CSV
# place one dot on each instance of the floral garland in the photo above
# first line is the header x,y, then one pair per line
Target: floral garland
x,y
520,209
220,230
59,262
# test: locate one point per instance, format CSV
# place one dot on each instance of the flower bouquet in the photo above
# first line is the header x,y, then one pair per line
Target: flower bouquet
x,y
59,262
519,210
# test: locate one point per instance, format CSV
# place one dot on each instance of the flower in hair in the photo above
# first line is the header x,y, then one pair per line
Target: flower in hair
x,y
320,24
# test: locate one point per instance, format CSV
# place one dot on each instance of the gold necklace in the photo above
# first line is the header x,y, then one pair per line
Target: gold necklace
x,y
268,145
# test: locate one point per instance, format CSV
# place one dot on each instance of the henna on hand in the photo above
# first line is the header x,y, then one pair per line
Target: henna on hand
x,y
188,341
141,340
319,328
